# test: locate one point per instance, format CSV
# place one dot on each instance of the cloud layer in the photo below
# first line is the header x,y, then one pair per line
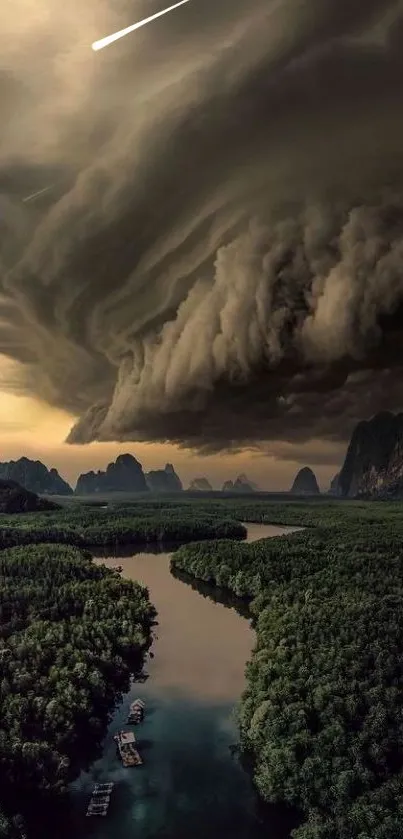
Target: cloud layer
x,y
220,258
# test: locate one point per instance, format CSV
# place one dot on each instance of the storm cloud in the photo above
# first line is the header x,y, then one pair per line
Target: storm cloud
x,y
220,258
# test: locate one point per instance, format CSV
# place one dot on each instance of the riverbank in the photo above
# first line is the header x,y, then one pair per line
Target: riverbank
x,y
191,783
71,634
321,717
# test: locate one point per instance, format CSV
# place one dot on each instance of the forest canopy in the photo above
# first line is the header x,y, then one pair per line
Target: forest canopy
x,y
322,715
71,633
86,526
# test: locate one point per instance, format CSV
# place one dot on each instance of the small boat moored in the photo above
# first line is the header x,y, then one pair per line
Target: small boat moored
x,y
136,713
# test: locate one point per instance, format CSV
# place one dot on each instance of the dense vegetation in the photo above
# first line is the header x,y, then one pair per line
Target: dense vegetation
x,y
70,634
16,499
322,716
135,524
319,511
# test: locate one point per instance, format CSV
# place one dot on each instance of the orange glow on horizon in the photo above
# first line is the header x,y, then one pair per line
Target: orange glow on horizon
x,y
34,429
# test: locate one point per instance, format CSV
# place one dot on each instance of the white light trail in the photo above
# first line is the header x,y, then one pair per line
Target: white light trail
x,y
36,194
104,42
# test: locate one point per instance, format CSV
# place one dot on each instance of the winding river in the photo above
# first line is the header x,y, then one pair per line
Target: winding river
x,y
191,784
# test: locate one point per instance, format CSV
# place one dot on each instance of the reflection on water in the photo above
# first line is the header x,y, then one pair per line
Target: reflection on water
x,y
267,531
215,593
191,784
201,648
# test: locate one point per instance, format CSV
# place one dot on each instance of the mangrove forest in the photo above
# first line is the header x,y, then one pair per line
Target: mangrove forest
x,y
71,633
322,715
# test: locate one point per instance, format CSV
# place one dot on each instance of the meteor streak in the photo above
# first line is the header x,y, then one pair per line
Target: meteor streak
x,y
104,42
36,194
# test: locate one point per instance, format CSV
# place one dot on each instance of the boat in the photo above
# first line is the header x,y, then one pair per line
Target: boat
x,y
136,713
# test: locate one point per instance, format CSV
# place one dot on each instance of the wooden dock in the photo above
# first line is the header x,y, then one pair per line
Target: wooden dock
x,y
100,800
125,743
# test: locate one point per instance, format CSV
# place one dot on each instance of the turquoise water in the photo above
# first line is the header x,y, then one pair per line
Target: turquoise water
x,y
191,784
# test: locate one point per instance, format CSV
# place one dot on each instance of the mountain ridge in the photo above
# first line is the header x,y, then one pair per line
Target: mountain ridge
x,y
35,477
164,480
125,474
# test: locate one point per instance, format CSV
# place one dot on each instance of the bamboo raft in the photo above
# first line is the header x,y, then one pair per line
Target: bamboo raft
x,y
100,800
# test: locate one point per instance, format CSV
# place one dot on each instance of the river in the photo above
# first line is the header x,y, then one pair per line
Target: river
x,y
191,784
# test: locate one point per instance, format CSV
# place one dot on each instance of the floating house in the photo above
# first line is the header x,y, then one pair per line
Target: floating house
x,y
125,737
129,755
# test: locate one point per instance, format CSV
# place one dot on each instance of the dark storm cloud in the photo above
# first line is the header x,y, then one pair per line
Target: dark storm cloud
x,y
223,263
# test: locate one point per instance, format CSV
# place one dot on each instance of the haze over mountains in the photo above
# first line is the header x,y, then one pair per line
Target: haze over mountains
x,y
200,485
164,480
241,484
373,467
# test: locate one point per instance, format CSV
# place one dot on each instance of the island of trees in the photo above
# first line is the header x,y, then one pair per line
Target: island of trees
x,y
71,633
127,525
322,715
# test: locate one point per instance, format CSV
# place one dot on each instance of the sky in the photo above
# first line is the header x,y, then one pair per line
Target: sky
x,y
214,277
29,427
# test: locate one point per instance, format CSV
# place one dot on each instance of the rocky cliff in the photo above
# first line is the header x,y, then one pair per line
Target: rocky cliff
x,y
334,488
124,475
200,485
15,499
34,476
373,465
164,480
305,483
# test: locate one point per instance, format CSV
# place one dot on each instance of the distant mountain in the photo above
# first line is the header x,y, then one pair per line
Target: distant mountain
x,y
305,483
241,484
200,485
34,476
16,499
164,480
373,466
124,475
334,488
243,479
